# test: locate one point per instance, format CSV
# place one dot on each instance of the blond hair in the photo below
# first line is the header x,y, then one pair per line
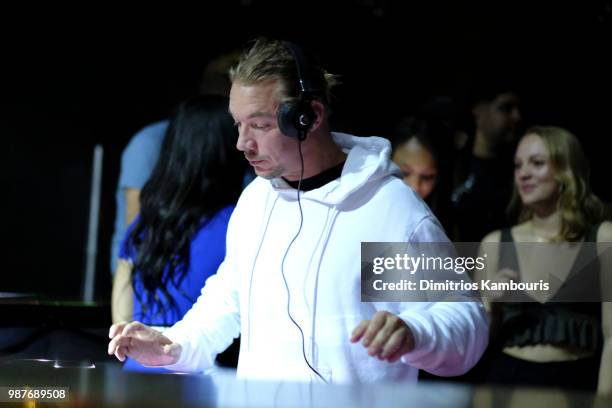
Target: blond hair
x,y
579,207
269,60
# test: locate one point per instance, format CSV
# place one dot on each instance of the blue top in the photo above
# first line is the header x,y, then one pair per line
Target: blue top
x,y
207,251
137,162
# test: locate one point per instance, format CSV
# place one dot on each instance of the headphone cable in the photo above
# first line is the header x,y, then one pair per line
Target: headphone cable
x,y
285,256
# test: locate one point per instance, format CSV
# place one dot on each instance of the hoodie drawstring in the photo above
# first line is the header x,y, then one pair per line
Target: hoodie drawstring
x,y
261,240
327,234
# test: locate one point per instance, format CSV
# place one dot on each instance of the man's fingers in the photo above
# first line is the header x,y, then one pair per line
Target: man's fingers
x,y
120,353
395,343
394,357
381,338
131,328
116,329
391,325
359,331
115,343
112,345
386,336
119,346
377,322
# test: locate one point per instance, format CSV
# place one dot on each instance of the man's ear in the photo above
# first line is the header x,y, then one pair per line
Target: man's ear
x,y
320,113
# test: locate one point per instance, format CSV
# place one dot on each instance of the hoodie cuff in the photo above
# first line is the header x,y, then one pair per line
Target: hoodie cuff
x,y
420,325
183,358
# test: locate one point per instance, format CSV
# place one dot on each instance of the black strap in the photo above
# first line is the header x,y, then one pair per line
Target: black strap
x,y
506,235
591,234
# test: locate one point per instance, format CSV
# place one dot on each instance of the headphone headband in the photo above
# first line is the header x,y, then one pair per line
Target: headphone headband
x,y
296,118
304,84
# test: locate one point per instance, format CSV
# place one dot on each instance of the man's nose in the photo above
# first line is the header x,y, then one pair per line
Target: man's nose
x,y
245,142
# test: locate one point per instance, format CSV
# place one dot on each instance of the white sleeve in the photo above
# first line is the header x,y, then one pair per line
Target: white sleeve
x,y
450,337
213,322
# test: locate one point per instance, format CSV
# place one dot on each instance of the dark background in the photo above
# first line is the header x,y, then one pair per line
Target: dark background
x,y
74,78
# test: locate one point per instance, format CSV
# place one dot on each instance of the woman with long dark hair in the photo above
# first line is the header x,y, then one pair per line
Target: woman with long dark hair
x,y
421,151
178,239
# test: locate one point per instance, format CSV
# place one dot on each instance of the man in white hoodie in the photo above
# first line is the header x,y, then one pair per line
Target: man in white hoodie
x,y
290,282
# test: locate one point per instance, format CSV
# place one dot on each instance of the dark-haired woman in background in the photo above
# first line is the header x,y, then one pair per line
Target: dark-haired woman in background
x,y
421,151
178,239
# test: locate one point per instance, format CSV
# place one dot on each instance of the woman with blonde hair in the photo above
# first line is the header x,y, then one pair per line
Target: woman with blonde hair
x,y
561,337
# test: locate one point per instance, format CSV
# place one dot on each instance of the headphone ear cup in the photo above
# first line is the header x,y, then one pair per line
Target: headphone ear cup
x,y
304,116
285,115
295,117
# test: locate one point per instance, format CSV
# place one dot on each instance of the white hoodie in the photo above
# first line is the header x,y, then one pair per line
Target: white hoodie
x,y
248,296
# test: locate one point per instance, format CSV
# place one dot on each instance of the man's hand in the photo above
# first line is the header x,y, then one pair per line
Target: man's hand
x,y
386,336
142,343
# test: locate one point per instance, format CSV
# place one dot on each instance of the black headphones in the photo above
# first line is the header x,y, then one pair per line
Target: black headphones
x,y
296,118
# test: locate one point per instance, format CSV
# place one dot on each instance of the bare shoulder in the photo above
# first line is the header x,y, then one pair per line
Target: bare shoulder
x,y
605,232
494,236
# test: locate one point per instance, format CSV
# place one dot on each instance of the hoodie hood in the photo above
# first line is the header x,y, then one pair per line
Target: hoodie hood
x,y
368,160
